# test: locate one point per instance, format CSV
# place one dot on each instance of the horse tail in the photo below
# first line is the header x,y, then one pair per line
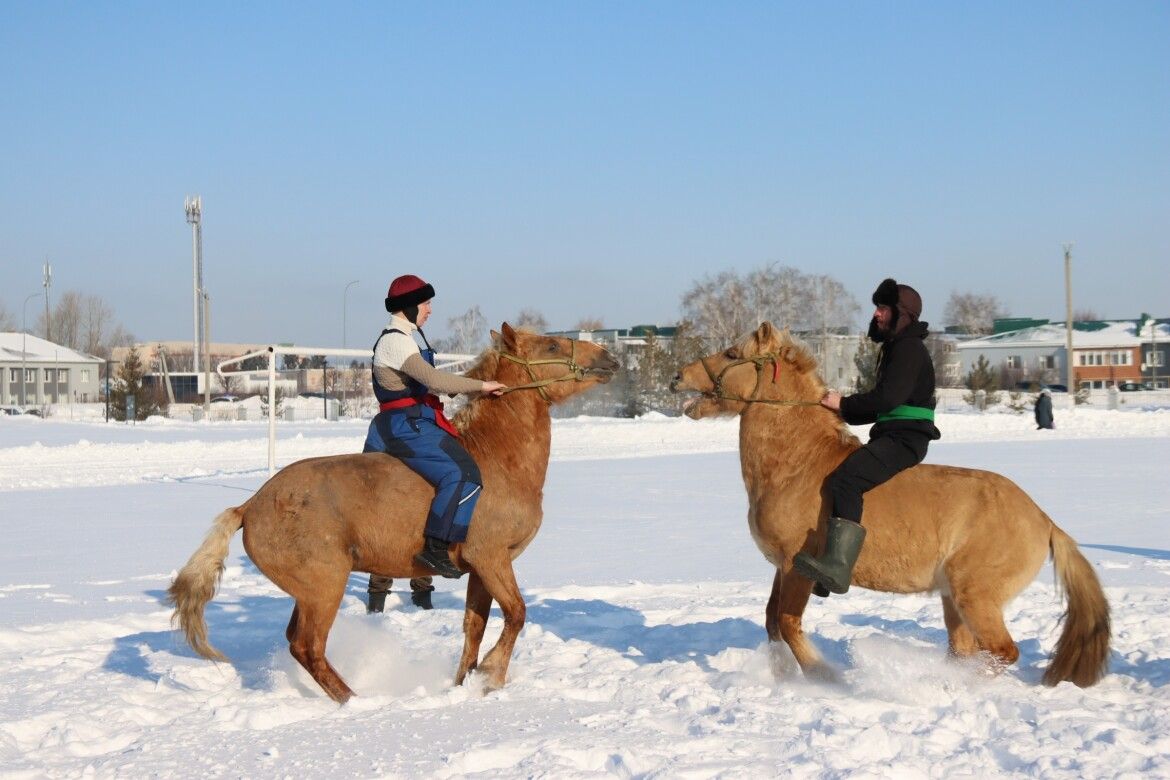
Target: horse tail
x,y
196,582
1082,652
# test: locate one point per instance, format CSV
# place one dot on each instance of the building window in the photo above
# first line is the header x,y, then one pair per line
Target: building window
x,y
85,376
63,376
30,375
1047,361
13,375
1155,358
1013,361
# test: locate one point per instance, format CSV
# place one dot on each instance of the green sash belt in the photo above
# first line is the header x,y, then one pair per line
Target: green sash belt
x,y
907,412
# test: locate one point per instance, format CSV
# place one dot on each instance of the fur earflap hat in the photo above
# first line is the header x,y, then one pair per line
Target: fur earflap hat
x,y
903,299
407,291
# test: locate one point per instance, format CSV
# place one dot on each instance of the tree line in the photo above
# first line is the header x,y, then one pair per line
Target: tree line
x,y
79,321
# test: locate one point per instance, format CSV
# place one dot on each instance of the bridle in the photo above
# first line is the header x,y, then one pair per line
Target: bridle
x,y
760,361
576,373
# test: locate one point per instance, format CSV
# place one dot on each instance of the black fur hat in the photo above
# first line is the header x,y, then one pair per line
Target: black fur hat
x,y
902,298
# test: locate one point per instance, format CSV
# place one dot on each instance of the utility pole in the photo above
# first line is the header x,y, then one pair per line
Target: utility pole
x,y
194,208
1068,326
48,282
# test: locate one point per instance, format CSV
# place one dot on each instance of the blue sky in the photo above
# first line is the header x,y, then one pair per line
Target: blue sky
x,y
584,159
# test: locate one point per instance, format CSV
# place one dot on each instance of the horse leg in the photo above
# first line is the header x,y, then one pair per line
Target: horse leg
x,y
291,630
983,615
793,598
314,615
962,641
500,582
479,603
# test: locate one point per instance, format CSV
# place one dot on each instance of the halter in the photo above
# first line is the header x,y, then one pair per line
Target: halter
x,y
760,361
576,373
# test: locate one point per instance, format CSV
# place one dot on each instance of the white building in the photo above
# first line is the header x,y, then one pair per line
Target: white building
x,y
51,373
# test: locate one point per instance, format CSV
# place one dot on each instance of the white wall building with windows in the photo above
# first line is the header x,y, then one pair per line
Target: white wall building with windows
x,y
36,372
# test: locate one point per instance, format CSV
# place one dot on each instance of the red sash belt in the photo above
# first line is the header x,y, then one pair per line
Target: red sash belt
x,y
427,400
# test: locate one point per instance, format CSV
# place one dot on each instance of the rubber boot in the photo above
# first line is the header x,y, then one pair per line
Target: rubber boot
x,y
434,556
421,599
375,603
834,569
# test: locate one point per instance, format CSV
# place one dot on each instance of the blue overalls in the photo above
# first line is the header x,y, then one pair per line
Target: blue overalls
x,y
410,433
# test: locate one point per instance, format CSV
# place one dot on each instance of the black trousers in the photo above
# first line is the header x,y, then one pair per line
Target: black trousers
x,y
870,466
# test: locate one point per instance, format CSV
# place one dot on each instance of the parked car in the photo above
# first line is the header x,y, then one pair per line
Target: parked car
x,y
1129,387
225,399
10,409
1057,388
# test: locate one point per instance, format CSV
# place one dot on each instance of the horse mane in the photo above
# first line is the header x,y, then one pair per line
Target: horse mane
x,y
797,352
484,368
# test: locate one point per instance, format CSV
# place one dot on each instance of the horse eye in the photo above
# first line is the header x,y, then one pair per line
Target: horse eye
x,y
553,347
730,354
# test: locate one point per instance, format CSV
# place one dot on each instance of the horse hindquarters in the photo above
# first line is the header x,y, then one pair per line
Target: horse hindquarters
x,y
1082,652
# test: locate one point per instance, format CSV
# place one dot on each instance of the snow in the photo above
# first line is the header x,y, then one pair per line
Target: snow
x,y
644,653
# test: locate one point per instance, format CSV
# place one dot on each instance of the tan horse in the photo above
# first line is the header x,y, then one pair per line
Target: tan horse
x,y
319,519
972,535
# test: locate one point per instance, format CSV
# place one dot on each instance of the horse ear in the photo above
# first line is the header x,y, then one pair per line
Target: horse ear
x,y
764,332
509,335
494,336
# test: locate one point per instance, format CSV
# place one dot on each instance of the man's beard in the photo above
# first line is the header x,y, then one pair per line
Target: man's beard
x,y
878,333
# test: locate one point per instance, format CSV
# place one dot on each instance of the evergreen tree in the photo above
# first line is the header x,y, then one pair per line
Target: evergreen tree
x,y
128,383
866,361
982,377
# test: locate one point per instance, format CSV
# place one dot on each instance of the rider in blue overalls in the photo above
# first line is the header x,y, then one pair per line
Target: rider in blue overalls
x,y
410,424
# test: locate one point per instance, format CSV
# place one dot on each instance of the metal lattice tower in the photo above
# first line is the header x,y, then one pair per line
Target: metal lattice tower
x,y
194,209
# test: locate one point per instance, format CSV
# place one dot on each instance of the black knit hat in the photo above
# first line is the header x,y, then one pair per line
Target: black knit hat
x,y
407,291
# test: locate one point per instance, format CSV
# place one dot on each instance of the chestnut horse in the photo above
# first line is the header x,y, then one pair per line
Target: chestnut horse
x,y
319,519
972,535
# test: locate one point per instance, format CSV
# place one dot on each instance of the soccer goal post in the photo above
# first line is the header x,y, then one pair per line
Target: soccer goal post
x,y
445,361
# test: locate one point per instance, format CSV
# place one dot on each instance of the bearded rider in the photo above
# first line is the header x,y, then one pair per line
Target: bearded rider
x,y
901,408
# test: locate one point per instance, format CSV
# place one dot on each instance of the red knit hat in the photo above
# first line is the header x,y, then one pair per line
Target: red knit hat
x,y
406,291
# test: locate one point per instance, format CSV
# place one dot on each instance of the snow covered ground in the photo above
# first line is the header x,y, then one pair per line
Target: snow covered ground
x,y
644,654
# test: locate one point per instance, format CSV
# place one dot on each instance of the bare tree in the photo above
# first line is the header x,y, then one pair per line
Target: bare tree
x,y
85,323
1085,315
7,321
589,323
468,333
531,319
973,313
725,306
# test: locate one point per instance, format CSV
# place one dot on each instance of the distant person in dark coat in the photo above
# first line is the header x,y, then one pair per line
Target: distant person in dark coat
x,y
1044,410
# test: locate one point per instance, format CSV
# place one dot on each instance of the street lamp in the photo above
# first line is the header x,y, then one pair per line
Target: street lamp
x,y
24,346
344,310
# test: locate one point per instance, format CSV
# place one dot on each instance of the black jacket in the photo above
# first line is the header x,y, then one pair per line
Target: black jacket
x,y
905,375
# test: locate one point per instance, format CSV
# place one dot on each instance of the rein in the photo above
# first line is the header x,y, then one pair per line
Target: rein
x,y
575,374
760,361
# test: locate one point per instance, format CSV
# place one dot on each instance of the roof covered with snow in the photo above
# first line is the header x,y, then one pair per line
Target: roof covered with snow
x,y
1100,335
21,346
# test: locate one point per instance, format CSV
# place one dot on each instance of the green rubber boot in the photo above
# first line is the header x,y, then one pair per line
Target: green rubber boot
x,y
834,569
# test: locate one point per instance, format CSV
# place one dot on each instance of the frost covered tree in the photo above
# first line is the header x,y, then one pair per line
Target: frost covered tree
x,y
972,312
589,323
7,321
530,319
468,333
725,306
